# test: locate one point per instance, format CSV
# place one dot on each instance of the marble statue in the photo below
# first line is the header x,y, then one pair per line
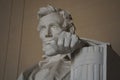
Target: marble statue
x,y
66,56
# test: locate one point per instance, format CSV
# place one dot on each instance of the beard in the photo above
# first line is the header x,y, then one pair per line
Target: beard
x,y
50,48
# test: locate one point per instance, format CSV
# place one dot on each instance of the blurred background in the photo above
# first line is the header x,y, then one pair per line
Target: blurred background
x,y
20,46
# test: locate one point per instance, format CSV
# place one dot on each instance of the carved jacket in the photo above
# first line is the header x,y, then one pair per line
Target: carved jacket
x,y
55,68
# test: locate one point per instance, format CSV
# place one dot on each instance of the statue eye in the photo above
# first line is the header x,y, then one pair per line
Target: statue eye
x,y
53,26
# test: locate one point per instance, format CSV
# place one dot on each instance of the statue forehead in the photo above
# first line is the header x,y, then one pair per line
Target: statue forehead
x,y
52,17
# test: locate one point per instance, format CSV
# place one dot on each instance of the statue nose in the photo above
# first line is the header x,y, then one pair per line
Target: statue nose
x,y
49,34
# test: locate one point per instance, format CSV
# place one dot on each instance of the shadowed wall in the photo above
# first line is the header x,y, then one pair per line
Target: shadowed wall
x,y
20,46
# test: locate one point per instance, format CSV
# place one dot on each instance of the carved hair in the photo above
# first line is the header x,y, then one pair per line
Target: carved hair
x,y
68,22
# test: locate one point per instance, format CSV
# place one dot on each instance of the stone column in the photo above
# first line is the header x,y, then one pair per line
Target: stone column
x,y
89,63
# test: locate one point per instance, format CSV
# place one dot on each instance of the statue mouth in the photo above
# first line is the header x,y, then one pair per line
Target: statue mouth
x,y
49,41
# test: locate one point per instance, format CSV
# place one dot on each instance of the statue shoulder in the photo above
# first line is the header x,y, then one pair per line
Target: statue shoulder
x,y
92,42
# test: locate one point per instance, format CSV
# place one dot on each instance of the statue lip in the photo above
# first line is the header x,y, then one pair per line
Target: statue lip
x,y
49,41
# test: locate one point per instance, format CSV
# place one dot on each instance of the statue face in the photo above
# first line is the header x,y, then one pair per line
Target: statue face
x,y
50,28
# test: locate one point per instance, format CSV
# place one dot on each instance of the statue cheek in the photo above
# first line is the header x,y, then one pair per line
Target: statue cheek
x,y
42,34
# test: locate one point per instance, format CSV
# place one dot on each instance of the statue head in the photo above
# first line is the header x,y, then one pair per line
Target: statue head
x,y
52,21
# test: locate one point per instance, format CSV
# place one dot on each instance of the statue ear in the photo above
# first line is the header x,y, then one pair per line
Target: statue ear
x,y
67,24
70,29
